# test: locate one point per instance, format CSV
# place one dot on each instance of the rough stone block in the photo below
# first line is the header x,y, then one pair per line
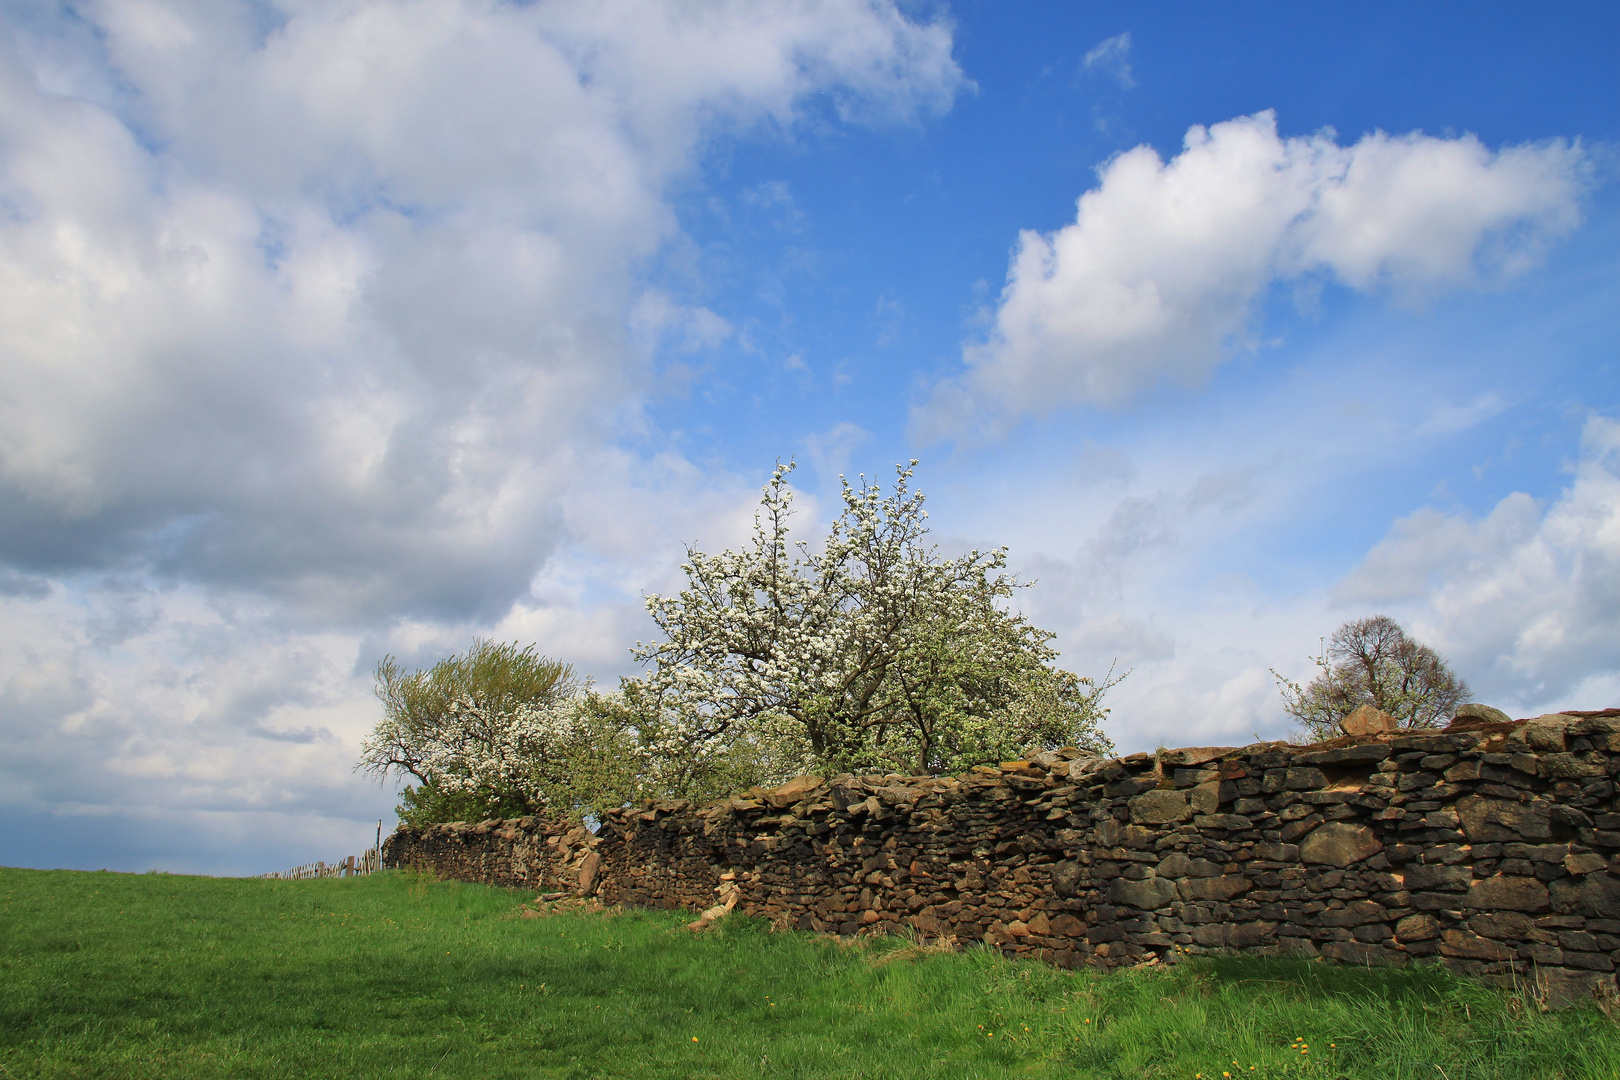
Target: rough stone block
x,y
1160,807
1339,843
1504,892
1484,820
1417,928
1595,895
1215,888
1368,720
1147,895
1512,925
1205,798
1178,865
1366,754
1471,946
1435,876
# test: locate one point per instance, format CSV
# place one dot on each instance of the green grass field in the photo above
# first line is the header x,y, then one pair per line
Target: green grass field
x,y
122,975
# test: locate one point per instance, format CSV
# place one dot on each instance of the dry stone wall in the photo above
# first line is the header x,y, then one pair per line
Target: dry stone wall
x,y
1492,848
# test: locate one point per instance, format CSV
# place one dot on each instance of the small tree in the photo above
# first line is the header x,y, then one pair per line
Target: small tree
x,y
872,653
1371,661
498,732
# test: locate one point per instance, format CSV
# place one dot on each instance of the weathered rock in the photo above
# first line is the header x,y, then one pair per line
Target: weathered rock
x,y
1366,753
1192,755
1067,925
1160,807
1215,888
1443,878
793,791
1571,767
1149,894
1066,878
1485,820
1546,733
1561,989
1205,798
1483,713
1417,928
1585,863
1339,843
1513,925
1368,720
1505,892
587,872
1595,895
1178,865
1471,946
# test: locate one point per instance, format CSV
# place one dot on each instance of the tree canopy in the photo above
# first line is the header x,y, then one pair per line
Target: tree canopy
x,y
869,653
1373,662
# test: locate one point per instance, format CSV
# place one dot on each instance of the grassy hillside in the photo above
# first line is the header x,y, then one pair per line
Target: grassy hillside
x,y
395,976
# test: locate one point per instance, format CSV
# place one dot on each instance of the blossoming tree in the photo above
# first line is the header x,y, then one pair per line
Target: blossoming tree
x,y
872,652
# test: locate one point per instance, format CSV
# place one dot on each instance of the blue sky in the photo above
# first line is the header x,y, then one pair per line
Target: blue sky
x,y
330,331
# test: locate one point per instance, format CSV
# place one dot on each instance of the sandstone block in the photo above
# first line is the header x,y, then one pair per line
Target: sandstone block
x,y
1504,892
1067,925
1160,808
1339,843
793,791
1368,720
587,872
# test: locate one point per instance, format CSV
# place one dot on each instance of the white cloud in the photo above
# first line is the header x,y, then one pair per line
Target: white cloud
x,y
323,328
1160,274
1526,600
1112,57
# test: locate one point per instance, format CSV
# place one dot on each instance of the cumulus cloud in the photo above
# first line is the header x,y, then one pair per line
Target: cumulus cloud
x,y
314,321
1161,272
1525,600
